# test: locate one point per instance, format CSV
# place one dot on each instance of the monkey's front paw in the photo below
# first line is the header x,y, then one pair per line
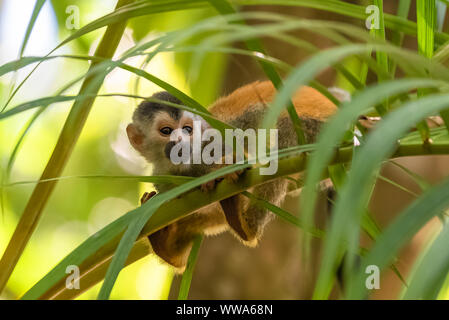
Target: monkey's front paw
x,y
234,176
208,186
230,177
147,196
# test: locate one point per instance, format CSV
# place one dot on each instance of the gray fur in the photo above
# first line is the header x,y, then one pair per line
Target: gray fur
x,y
174,241
147,109
255,217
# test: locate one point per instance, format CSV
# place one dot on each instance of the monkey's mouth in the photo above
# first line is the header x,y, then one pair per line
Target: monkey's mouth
x,y
178,153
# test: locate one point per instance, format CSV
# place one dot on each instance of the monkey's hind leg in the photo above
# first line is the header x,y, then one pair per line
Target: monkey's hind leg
x,y
247,219
173,243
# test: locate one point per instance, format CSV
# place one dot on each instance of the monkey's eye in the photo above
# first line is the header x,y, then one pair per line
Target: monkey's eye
x,y
166,131
187,129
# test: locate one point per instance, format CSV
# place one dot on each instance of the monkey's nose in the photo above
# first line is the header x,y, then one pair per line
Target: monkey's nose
x,y
168,148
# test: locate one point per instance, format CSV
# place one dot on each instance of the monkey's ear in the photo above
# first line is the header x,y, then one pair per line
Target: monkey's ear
x,y
135,136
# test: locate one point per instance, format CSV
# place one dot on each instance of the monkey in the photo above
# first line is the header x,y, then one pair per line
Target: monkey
x,y
149,133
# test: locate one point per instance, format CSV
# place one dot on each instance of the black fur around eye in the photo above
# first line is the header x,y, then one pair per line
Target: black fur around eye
x,y
166,131
187,129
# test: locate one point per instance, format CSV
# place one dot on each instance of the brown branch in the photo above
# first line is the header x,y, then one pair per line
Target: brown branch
x,y
93,269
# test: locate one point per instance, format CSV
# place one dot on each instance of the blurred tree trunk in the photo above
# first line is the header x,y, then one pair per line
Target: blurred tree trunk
x,y
228,270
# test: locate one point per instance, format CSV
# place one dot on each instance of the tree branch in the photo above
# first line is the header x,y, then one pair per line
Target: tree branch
x,y
64,146
93,269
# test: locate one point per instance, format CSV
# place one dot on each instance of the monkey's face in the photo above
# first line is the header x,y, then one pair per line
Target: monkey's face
x,y
156,137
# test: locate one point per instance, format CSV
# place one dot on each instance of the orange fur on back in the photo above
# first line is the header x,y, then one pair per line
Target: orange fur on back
x,y
308,102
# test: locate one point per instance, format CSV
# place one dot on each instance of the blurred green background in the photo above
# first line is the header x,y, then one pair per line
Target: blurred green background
x,y
79,206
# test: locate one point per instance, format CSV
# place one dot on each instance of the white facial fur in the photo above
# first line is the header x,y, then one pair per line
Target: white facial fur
x,y
155,142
